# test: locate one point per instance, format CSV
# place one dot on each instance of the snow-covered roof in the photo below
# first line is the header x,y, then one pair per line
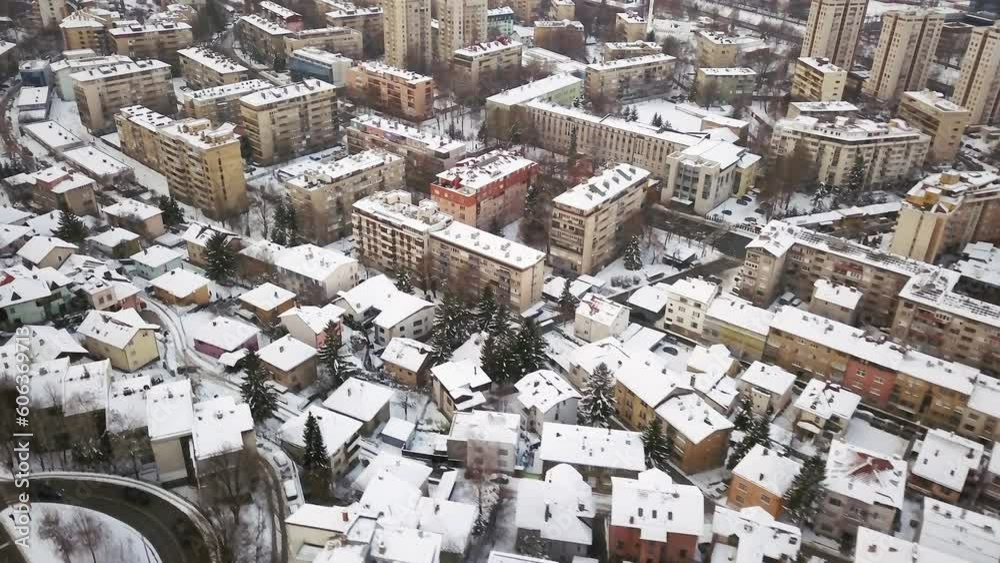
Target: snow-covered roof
x,y
936,289
410,471
11,233
320,175
656,506
968,535
264,25
236,89
179,283
113,237
38,248
771,378
695,419
117,70
127,403
199,234
316,318
401,133
212,59
534,90
263,250
488,47
327,518
224,333
29,285
609,351
380,293
935,100
52,135
116,329
44,343
485,426
985,396
820,64
826,400
592,447
475,173
285,94
490,246
760,535
396,208
566,24
219,425
406,353
12,216
717,387
650,298
131,209
865,475
647,376
338,430
85,388
543,390
313,262
286,353
267,296
406,545
501,557
398,429
840,295
946,459
876,547
359,399
156,256
452,520
600,309
381,69
461,379
631,62
768,469
169,410
698,290
714,359
555,506
728,71
554,286
603,188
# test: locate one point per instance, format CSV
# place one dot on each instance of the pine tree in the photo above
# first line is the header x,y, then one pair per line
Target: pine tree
x,y
220,258
657,120
801,498
572,148
452,325
598,403
71,228
633,254
336,365
286,224
403,282
759,433
173,215
529,348
257,394
532,226
315,460
744,414
498,353
567,301
856,177
486,310
657,445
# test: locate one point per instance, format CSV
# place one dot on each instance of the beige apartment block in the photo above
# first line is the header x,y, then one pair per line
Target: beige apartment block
x,y
485,67
324,194
203,68
391,232
630,26
833,30
220,104
818,80
461,23
52,12
891,150
408,34
566,37
707,174
723,85
426,154
344,40
716,49
587,219
625,79
261,39
100,92
824,111
81,31
153,41
943,120
978,85
627,50
138,130
286,121
369,20
904,54
398,92
526,10
560,10
944,212
470,260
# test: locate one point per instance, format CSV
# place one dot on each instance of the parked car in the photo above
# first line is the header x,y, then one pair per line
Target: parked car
x,y
291,491
281,460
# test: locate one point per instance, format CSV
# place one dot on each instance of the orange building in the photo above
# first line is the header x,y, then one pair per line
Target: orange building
x,y
486,190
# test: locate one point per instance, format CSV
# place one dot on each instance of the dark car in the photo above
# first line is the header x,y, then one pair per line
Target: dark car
x,y
135,496
46,492
669,350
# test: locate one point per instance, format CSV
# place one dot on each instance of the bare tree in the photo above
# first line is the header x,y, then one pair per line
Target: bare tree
x,y
227,482
60,535
89,532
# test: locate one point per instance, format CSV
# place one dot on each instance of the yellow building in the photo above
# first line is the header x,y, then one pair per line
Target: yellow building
x,y
627,50
705,175
262,39
943,120
220,104
817,80
484,67
978,84
160,40
715,49
461,23
285,121
833,30
408,34
368,20
122,337
100,92
630,26
623,79
398,92
83,32
724,85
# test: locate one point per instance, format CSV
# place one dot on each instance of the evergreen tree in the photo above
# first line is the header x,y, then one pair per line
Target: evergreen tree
x,y
529,348
572,148
759,433
486,310
498,353
286,224
71,228
220,258
452,325
598,403
657,445
173,215
535,219
744,414
801,498
315,460
257,394
856,177
336,364
403,282
567,301
633,254
657,120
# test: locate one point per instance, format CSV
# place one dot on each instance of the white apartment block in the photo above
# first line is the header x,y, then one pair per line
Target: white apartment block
x,y
833,30
598,317
63,69
904,54
978,85
316,274
707,174
687,303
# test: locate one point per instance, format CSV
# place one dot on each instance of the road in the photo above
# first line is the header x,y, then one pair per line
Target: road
x,y
731,243
168,529
9,553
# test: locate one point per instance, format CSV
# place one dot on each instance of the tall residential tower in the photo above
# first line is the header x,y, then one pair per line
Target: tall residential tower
x,y
408,34
978,85
833,29
904,53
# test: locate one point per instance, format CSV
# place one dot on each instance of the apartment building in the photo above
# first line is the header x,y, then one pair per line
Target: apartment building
x,y
311,62
904,54
705,175
824,111
159,40
833,30
944,212
688,301
408,34
761,479
391,232
978,84
59,188
52,12
470,260
203,68
562,10
369,21
943,120
789,258
485,67
286,121
739,325
630,26
715,49
818,80
426,154
723,85
501,20
100,92
566,37
501,109
261,38
138,130
461,23
219,104
630,49
281,15
605,138
83,30
402,93
891,151
62,70
587,219
343,40
642,526
324,194
485,191
625,79
863,488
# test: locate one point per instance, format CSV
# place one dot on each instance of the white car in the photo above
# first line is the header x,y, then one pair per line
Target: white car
x,y
291,491
281,460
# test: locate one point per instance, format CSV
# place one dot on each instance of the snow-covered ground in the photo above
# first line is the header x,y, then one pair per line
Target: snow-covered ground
x,y
654,248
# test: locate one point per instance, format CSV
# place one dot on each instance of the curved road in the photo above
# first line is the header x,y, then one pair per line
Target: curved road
x,y
167,528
